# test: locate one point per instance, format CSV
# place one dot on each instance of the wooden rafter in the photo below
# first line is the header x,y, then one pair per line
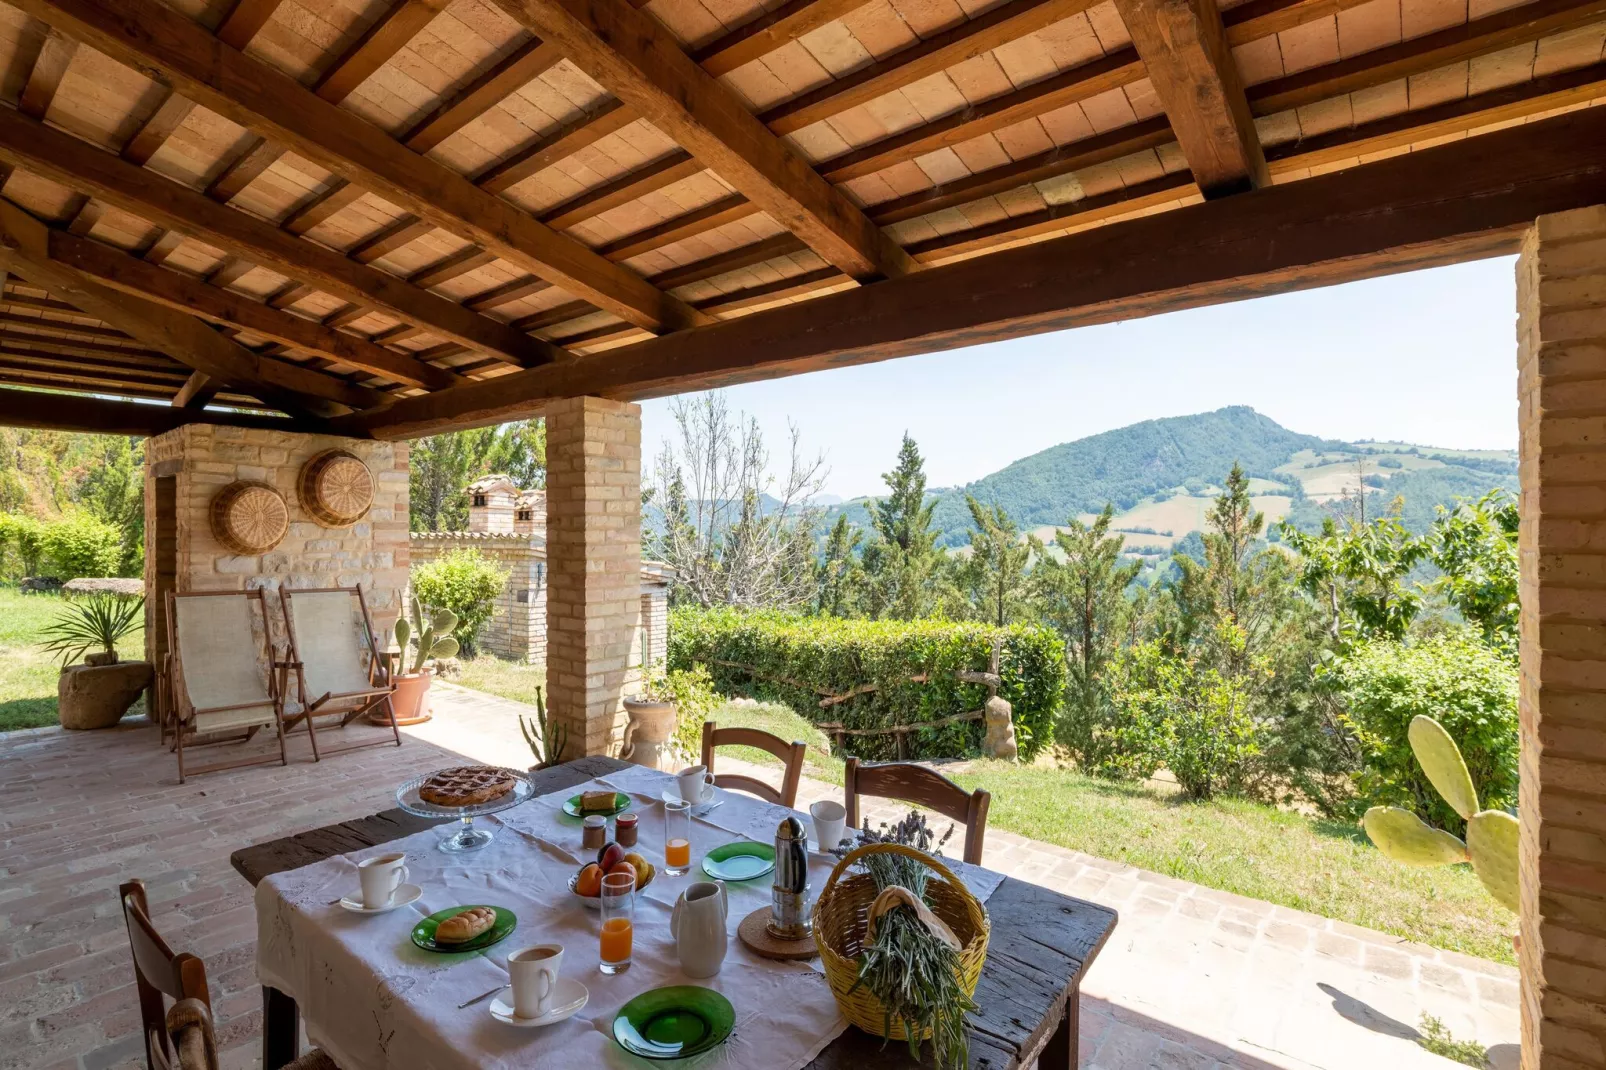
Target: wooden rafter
x,y
1183,45
29,408
769,31
149,36
630,54
25,250
1473,197
78,165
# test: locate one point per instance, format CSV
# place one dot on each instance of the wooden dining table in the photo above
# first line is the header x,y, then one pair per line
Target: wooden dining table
x,y
1042,943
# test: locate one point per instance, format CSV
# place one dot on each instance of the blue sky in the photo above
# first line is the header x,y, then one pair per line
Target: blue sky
x,y
1427,357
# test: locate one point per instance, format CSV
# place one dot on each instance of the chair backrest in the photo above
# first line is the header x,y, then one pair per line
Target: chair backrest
x,y
159,975
331,637
923,787
791,754
219,659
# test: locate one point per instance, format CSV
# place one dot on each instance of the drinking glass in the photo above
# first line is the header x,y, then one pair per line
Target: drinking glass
x,y
618,921
677,837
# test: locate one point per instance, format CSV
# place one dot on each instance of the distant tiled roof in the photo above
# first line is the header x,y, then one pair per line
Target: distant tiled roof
x,y
495,481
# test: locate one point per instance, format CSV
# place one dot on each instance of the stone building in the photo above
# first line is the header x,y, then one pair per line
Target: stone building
x,y
508,526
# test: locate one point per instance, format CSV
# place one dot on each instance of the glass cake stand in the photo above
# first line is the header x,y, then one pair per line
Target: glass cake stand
x,y
467,838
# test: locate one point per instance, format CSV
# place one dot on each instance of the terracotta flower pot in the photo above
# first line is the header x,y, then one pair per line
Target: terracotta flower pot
x,y
652,722
411,699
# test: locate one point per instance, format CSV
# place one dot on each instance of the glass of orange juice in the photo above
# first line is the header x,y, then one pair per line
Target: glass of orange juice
x,y
677,837
618,921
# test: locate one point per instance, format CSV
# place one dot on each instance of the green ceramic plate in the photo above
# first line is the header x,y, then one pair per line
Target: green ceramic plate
x,y
739,861
424,931
674,1022
621,803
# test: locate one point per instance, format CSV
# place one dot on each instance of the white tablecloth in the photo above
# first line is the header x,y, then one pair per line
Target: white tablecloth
x,y
376,1002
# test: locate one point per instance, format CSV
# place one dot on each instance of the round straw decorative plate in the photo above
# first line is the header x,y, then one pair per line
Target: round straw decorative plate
x,y
250,517
336,488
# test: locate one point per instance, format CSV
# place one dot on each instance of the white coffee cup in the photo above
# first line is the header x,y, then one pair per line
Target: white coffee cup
x,y
380,877
830,824
694,783
534,971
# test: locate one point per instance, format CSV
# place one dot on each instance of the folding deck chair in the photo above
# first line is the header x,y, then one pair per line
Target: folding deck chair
x,y
339,668
220,679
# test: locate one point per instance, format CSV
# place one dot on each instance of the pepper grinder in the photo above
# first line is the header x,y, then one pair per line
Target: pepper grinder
x,y
789,895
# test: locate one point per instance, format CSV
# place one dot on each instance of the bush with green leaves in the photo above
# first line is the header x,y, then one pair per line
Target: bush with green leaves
x,y
897,673
692,692
1456,679
80,546
21,546
465,582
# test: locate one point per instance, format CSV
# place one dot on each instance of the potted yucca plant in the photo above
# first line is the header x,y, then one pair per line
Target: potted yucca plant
x,y
427,636
97,693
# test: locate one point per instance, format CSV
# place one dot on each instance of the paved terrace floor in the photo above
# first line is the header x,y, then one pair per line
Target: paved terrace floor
x,y
1192,979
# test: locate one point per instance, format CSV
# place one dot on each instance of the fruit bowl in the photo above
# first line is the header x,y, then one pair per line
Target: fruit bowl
x,y
594,902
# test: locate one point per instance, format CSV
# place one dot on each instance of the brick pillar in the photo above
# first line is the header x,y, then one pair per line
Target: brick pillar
x,y
593,565
1561,385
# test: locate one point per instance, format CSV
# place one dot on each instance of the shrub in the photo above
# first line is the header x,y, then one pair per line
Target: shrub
x,y
1173,711
81,546
692,692
21,550
1455,679
465,582
897,673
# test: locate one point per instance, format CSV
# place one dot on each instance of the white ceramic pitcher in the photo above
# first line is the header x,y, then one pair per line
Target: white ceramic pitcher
x,y
698,926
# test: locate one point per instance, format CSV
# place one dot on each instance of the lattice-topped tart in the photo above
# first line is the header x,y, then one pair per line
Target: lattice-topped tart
x,y
466,785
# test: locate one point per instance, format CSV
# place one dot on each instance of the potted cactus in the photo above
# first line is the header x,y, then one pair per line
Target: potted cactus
x,y
426,637
1491,843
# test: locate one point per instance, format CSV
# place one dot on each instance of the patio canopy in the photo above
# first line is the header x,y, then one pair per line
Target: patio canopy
x,y
391,217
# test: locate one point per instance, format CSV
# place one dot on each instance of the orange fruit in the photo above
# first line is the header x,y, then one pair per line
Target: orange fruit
x,y
589,883
622,867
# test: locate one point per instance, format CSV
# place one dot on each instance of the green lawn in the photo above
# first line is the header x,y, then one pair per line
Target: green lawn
x,y
1324,867
27,674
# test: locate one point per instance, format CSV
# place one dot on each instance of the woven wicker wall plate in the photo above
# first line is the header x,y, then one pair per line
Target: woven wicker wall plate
x,y
250,517
336,488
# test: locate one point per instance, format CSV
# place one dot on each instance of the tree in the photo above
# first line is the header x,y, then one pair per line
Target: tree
x,y
838,577
1475,546
1082,595
113,492
995,576
441,467
903,567
733,532
1358,568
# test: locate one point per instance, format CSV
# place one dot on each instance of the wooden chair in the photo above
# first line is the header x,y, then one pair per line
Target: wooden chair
x,y
918,785
189,1026
791,754
217,682
336,658
180,1038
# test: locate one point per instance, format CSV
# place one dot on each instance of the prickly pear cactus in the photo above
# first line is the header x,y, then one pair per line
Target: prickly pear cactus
x,y
427,636
1491,843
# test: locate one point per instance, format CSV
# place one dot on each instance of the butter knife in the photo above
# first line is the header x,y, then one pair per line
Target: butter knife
x,y
482,996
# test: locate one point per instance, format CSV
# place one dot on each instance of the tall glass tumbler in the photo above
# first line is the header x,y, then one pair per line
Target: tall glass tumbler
x,y
618,921
677,837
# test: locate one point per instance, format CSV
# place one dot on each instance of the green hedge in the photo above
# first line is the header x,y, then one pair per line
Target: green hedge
x,y
798,660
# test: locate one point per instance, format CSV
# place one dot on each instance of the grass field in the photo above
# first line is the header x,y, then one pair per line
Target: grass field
x,y
28,674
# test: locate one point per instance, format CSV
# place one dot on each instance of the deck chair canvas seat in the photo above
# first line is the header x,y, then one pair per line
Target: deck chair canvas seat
x,y
222,679
340,671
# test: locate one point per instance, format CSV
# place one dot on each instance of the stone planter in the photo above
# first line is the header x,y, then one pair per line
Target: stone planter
x,y
651,724
97,696
410,700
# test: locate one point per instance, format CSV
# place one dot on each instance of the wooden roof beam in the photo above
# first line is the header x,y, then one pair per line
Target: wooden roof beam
x,y
184,293
634,57
769,31
64,412
149,36
199,389
1467,199
25,250
78,165
1183,45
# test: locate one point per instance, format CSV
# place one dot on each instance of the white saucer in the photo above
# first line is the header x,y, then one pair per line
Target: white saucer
x,y
568,998
404,894
711,798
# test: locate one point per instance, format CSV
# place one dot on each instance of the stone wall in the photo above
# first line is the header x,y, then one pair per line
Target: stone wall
x,y
1561,386
188,466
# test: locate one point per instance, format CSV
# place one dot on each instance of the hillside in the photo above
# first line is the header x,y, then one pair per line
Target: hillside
x,y
1161,476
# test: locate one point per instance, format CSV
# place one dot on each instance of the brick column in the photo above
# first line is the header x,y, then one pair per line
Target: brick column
x,y
593,566
1561,385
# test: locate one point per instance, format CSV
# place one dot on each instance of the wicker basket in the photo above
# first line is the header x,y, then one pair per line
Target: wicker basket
x,y
250,517
336,488
841,916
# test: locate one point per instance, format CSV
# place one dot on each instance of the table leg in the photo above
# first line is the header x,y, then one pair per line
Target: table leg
x,y
281,1029
1061,1051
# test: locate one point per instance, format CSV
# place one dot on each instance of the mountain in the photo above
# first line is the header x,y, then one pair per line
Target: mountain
x,y
1162,475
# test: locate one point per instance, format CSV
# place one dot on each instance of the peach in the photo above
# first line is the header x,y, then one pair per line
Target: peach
x,y
589,883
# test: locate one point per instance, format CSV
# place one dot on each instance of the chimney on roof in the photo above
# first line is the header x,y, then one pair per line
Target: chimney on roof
x,y
491,504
